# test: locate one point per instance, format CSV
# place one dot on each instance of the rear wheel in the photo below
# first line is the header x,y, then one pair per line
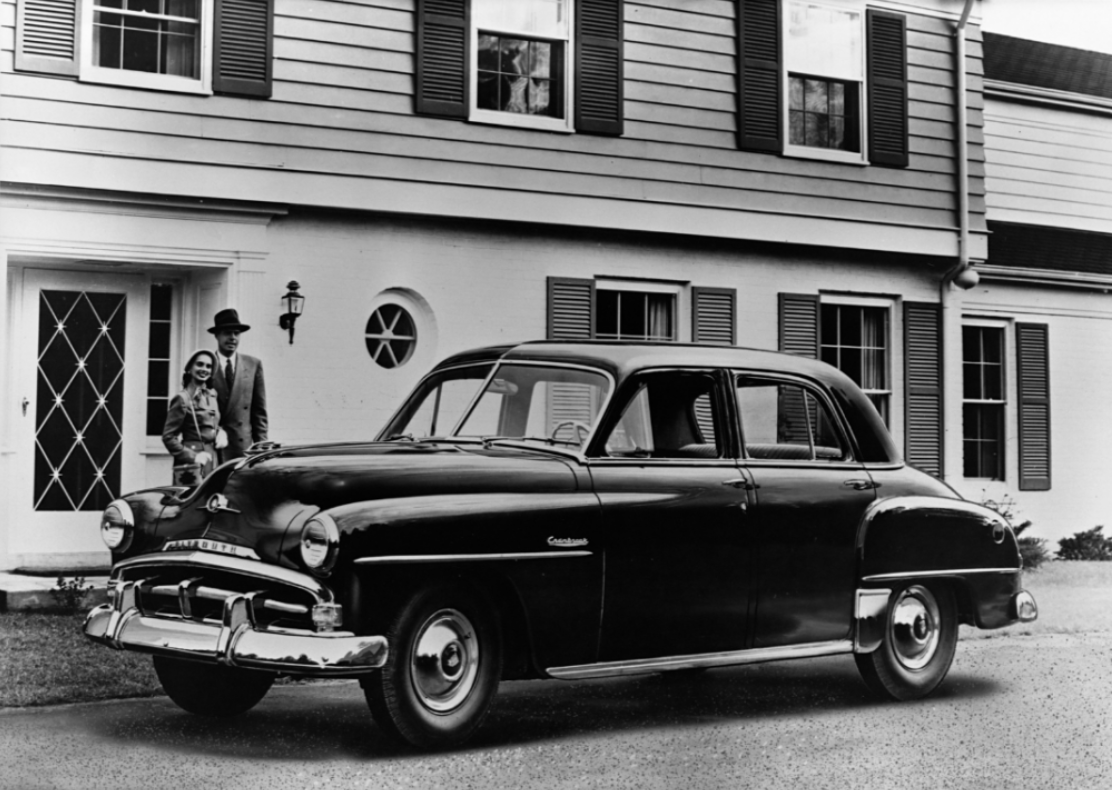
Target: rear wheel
x,y
211,689
920,637
443,668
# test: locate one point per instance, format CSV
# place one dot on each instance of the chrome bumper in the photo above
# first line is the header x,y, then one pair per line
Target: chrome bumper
x,y
235,641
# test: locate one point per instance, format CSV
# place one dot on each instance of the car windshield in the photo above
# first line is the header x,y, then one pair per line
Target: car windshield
x,y
550,404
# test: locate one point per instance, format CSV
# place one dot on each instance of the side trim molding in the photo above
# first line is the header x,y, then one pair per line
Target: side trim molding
x,y
666,663
403,559
882,577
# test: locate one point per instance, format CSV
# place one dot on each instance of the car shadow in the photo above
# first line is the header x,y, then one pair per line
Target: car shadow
x,y
321,721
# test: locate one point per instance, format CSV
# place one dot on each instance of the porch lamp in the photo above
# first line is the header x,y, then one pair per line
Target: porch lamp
x,y
293,303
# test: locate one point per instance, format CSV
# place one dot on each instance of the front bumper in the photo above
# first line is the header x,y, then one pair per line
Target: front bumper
x,y
237,639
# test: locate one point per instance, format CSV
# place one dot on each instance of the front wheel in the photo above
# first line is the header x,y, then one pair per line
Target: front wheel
x,y
920,637
212,689
442,671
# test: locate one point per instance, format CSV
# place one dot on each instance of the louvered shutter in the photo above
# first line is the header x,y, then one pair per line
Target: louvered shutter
x,y
758,35
799,324
242,47
599,67
571,308
713,315
442,61
923,386
1033,374
887,80
46,37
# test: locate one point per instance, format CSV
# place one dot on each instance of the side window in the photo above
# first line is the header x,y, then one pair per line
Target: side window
x,y
670,415
443,404
782,421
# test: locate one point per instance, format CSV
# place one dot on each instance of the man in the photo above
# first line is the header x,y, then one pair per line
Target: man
x,y
240,390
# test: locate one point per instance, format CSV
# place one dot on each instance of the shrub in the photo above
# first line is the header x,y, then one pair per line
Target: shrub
x,y
1032,551
1088,545
70,595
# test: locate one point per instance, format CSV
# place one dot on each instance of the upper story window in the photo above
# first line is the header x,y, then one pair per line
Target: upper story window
x,y
520,74
186,46
824,64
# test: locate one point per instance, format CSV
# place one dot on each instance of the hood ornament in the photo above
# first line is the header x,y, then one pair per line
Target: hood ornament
x,y
218,503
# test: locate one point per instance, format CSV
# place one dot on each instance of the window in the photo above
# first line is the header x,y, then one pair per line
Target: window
x,y
520,71
555,65
160,382
391,336
670,415
438,403
983,401
824,60
854,339
823,79
785,422
190,46
635,315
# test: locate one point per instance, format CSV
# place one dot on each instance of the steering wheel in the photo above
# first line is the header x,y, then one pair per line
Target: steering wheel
x,y
582,429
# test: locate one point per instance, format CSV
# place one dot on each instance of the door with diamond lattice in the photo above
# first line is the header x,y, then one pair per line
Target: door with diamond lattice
x,y
80,392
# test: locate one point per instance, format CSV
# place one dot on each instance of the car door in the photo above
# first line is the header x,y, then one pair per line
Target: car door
x,y
675,509
810,495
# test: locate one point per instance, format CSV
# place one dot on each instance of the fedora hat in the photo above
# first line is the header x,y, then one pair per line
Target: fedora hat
x,y
227,319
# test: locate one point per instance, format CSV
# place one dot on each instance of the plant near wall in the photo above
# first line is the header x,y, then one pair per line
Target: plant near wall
x,y
71,595
1090,544
1032,550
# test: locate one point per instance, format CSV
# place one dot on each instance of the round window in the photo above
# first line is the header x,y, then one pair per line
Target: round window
x,y
391,335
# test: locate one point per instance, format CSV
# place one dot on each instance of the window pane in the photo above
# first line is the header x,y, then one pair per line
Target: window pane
x,y
815,99
983,440
824,40
513,76
158,380
795,93
606,319
786,422
798,134
159,345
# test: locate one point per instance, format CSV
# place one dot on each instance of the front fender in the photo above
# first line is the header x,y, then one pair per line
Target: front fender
x,y
906,538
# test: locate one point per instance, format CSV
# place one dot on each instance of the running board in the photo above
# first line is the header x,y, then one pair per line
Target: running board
x,y
643,666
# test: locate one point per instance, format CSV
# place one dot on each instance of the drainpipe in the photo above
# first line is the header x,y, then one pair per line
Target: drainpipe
x,y
960,275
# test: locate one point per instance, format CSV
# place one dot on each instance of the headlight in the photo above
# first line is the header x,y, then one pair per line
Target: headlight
x,y
320,543
117,525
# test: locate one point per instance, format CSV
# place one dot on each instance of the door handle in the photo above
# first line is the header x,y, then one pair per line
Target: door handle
x,y
860,485
739,482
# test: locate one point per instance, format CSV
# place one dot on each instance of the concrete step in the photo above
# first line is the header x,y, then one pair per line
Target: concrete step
x,y
22,592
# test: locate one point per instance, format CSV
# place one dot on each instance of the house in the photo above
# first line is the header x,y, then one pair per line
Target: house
x,y
440,174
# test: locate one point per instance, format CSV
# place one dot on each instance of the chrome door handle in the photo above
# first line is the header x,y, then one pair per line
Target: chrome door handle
x,y
739,482
860,485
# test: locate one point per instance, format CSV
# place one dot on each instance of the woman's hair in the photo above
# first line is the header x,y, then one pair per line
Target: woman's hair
x,y
188,375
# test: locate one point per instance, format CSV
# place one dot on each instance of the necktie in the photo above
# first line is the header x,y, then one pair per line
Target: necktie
x,y
228,373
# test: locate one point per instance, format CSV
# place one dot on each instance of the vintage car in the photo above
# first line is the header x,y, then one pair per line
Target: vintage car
x,y
561,510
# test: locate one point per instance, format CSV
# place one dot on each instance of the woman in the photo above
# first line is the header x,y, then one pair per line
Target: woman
x,y
191,433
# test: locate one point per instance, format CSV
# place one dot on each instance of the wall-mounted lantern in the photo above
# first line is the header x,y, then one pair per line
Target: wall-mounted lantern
x,y
293,303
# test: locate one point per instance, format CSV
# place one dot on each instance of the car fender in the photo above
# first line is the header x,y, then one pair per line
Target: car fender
x,y
905,538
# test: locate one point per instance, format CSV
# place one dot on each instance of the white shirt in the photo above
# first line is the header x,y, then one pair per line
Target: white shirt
x,y
224,362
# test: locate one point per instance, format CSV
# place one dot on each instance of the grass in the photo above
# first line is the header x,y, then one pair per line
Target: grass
x,y
46,660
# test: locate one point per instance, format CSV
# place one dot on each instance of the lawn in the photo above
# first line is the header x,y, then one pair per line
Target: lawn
x,y
45,659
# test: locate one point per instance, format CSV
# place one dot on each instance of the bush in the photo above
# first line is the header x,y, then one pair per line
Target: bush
x,y
1088,545
71,595
1032,551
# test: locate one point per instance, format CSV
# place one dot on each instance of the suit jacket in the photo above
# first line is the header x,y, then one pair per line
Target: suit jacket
x,y
243,408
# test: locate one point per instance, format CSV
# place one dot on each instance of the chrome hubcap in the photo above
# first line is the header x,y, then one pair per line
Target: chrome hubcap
x,y
445,661
915,627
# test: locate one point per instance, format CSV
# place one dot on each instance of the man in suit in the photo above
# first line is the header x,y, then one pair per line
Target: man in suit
x,y
240,390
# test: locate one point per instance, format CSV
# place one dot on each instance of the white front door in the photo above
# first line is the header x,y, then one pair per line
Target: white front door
x,y
80,361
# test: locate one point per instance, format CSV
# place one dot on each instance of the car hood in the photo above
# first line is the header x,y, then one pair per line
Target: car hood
x,y
262,503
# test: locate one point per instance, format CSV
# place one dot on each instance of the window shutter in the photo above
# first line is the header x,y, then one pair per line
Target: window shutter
x,y
713,315
887,77
799,324
923,386
571,308
758,35
442,60
46,37
242,47
1033,374
599,67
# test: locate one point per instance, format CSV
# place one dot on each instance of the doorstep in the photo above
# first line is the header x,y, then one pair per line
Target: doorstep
x,y
21,592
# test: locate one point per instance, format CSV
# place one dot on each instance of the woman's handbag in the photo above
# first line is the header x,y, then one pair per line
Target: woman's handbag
x,y
189,474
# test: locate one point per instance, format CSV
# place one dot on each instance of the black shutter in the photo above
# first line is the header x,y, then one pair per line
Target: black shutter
x,y
923,386
1033,373
599,67
442,36
46,37
242,51
799,324
758,60
887,81
571,308
713,312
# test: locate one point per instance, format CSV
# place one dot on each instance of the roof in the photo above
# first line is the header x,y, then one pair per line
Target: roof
x,y
1050,66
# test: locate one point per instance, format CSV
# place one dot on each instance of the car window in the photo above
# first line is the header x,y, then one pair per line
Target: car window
x,y
439,403
786,422
670,414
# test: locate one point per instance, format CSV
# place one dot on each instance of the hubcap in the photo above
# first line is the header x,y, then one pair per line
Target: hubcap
x,y
915,627
445,661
